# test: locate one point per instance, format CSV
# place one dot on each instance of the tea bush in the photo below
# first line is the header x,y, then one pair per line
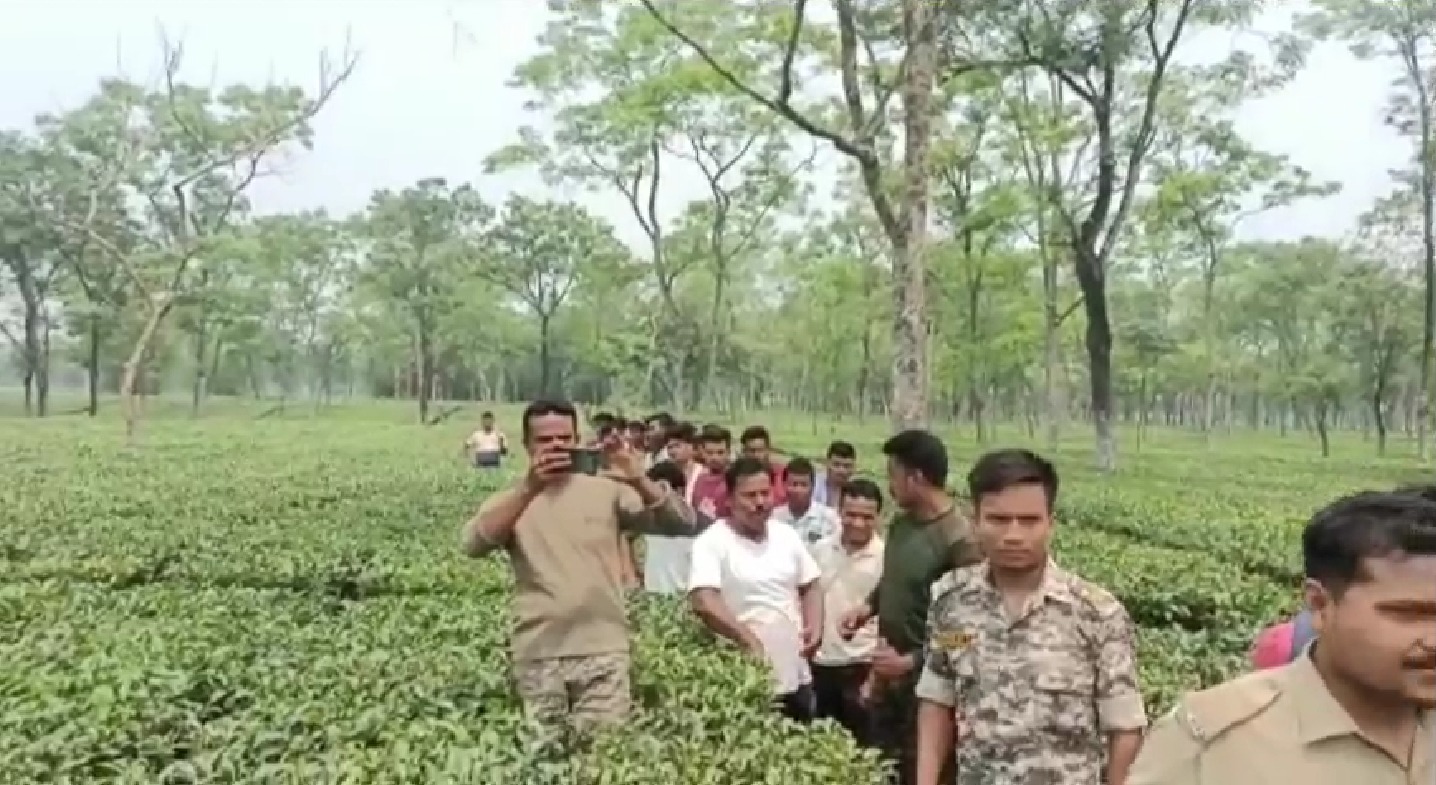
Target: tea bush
x,y
283,602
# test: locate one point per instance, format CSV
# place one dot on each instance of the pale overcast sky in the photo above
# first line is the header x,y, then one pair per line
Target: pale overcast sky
x,y
429,102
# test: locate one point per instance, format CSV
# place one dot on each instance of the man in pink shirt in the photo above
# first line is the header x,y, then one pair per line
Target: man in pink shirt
x,y
710,493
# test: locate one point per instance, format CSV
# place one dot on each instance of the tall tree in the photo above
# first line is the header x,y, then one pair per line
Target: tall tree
x,y
187,156
1404,32
32,259
1116,59
540,251
860,44
417,244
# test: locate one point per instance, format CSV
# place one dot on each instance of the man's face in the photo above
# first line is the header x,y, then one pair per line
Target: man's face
x,y
1381,633
756,449
715,456
751,501
550,432
800,490
636,436
1014,527
860,519
902,484
486,422
680,452
655,436
840,470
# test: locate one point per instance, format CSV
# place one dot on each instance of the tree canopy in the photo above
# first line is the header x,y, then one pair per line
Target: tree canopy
x,y
1036,218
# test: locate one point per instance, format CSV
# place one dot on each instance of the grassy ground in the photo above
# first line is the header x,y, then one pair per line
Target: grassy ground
x,y
278,599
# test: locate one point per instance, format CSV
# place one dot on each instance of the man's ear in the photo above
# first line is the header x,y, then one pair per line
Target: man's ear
x,y
1319,601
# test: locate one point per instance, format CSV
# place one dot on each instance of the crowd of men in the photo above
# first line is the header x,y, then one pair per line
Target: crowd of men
x,y
943,631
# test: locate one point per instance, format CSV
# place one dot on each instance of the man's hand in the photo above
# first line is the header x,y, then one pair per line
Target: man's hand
x,y
623,462
547,466
812,639
866,691
708,507
888,665
854,620
753,647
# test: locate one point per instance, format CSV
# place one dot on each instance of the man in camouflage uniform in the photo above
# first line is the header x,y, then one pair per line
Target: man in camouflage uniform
x,y
1035,664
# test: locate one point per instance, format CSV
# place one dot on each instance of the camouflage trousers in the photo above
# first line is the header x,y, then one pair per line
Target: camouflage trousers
x,y
894,731
584,692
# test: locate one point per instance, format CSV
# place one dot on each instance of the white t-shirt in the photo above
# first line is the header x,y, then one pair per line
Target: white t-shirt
x,y
759,583
666,560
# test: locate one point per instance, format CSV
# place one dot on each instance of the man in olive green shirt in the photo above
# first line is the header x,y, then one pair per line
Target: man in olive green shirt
x,y
930,535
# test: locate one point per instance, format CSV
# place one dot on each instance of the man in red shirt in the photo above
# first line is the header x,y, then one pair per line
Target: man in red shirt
x,y
758,445
710,494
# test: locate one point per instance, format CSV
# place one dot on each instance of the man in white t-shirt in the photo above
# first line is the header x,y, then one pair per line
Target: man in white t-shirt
x,y
487,445
754,583
667,560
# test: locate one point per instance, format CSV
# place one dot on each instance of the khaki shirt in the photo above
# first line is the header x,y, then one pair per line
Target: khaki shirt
x,y
1273,726
1037,692
847,580
568,598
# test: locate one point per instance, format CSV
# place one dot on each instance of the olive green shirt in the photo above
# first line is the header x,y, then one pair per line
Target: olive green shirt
x,y
916,555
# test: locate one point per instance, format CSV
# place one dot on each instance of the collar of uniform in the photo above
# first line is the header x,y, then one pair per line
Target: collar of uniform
x,y
1056,583
1319,716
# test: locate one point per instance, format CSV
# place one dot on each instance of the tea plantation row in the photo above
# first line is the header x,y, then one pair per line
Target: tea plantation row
x,y
282,602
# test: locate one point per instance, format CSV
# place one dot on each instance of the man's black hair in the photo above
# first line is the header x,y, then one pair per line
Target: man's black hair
x,y
541,408
668,472
741,469
1343,535
919,451
683,432
753,432
488,415
662,420
1002,469
862,489
715,434
801,467
1427,492
844,450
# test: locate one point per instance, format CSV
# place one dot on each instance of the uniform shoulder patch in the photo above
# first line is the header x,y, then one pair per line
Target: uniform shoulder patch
x,y
1104,603
1206,715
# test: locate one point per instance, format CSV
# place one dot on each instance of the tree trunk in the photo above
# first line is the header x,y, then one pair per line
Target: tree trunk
x,y
545,323
1099,356
130,374
425,371
201,369
92,366
910,320
42,369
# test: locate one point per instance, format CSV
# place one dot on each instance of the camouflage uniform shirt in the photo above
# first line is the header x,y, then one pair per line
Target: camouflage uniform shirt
x,y
1036,693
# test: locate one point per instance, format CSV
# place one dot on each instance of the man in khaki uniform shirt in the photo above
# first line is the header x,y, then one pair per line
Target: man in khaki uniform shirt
x,y
1358,708
561,531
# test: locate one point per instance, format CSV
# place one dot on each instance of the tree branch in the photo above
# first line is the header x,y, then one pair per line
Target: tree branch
x,y
780,105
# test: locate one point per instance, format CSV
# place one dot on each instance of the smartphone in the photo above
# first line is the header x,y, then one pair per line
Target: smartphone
x,y
586,460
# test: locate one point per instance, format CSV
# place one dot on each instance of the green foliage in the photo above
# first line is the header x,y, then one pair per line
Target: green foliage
x,y
282,600
285,603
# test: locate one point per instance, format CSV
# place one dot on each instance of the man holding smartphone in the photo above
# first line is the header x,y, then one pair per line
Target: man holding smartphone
x,y
561,529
